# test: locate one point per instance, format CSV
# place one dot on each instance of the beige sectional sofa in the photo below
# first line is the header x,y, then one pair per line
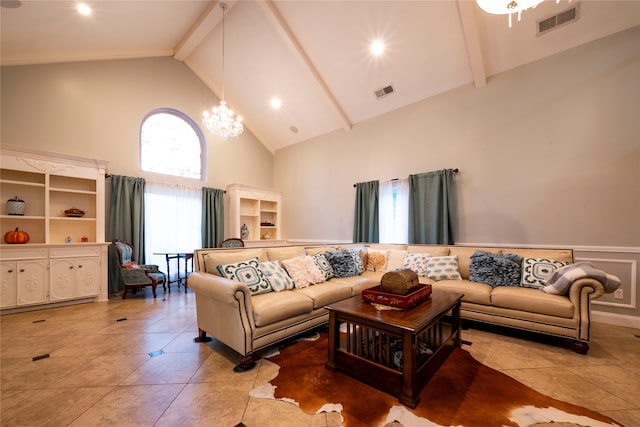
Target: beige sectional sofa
x,y
246,322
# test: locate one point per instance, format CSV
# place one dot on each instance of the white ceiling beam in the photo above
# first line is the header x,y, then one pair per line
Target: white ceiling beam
x,y
474,50
291,41
201,28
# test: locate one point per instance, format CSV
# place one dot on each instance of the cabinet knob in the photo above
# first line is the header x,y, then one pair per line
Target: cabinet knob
x,y
71,267
80,266
22,270
10,271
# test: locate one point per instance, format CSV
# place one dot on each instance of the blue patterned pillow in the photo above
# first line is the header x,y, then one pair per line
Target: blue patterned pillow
x,y
276,276
536,270
443,268
324,265
355,254
416,263
248,272
342,263
495,269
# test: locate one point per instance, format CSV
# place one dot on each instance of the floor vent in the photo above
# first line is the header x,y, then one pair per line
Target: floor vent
x,y
385,91
563,18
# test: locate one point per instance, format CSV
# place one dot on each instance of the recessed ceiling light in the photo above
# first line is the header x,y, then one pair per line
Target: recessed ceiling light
x,y
276,103
83,9
377,47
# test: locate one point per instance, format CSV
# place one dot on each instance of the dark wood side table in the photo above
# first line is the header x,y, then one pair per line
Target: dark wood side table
x,y
370,349
186,256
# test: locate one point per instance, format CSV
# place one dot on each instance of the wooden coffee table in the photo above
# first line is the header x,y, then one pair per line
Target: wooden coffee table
x,y
396,351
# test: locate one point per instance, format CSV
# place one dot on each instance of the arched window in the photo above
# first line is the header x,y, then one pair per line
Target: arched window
x,y
172,144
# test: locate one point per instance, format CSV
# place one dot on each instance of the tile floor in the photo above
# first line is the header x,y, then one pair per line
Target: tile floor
x,y
100,371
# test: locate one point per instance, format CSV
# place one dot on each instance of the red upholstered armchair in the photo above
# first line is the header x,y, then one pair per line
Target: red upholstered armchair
x,y
137,275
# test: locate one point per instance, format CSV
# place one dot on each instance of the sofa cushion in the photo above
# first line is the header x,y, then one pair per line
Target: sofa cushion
x,y
367,280
356,254
326,293
443,268
432,250
478,293
248,272
377,259
416,263
536,270
276,306
532,300
285,252
464,257
303,271
276,276
215,258
564,255
495,269
395,260
319,250
324,265
342,263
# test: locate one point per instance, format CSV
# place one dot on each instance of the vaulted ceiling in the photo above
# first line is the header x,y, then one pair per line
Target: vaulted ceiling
x,y
313,55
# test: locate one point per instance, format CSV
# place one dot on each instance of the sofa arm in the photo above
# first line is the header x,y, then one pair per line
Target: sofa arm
x,y
224,310
581,293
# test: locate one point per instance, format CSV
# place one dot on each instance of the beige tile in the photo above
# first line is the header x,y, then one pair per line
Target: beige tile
x,y
48,407
615,380
140,405
167,368
183,343
209,404
41,373
105,370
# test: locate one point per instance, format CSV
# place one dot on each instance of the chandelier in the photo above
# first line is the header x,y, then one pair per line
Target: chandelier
x,y
507,7
221,120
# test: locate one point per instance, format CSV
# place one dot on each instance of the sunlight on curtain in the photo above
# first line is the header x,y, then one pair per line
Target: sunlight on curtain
x,y
394,211
173,221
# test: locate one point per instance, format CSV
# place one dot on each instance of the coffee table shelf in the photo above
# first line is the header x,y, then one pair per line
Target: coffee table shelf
x,y
396,351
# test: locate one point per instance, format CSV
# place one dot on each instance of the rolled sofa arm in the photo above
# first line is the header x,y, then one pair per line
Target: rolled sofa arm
x,y
581,293
224,310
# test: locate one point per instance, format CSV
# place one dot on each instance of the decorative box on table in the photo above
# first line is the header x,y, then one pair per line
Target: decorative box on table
x,y
376,295
399,281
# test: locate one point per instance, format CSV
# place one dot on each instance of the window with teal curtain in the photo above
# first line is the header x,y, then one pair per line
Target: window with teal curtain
x,y
212,217
126,222
432,210
366,226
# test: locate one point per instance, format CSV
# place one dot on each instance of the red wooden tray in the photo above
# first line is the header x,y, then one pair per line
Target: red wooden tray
x,y
376,295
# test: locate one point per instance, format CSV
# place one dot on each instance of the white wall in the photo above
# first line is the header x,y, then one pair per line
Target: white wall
x,y
95,109
549,154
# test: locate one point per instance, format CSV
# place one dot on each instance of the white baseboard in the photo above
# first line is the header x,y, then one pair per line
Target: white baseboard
x,y
615,319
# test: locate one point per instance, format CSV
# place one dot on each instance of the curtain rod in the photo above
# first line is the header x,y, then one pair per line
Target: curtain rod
x,y
395,179
106,175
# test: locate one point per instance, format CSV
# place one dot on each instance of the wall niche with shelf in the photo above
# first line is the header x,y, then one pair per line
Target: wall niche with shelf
x,y
257,208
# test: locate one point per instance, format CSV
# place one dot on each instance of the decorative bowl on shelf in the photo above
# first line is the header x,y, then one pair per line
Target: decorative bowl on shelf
x,y
74,212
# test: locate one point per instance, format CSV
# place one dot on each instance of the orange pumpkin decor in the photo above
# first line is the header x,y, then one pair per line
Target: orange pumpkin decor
x,y
16,236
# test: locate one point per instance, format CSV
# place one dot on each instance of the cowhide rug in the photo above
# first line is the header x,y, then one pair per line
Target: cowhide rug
x,y
463,392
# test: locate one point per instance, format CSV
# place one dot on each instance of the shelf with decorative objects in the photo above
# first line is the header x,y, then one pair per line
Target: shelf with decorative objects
x,y
254,213
53,225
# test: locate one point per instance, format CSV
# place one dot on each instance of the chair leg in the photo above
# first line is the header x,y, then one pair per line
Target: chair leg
x,y
124,294
153,288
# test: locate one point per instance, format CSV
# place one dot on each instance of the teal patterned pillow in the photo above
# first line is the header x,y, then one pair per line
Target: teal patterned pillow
x,y
536,270
248,272
324,265
276,276
416,263
357,261
443,268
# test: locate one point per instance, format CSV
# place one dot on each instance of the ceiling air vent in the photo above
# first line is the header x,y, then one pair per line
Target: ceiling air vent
x,y
555,21
385,91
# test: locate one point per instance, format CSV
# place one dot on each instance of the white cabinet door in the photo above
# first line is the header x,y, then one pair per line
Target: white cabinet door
x,y
71,278
31,282
88,277
62,283
8,291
